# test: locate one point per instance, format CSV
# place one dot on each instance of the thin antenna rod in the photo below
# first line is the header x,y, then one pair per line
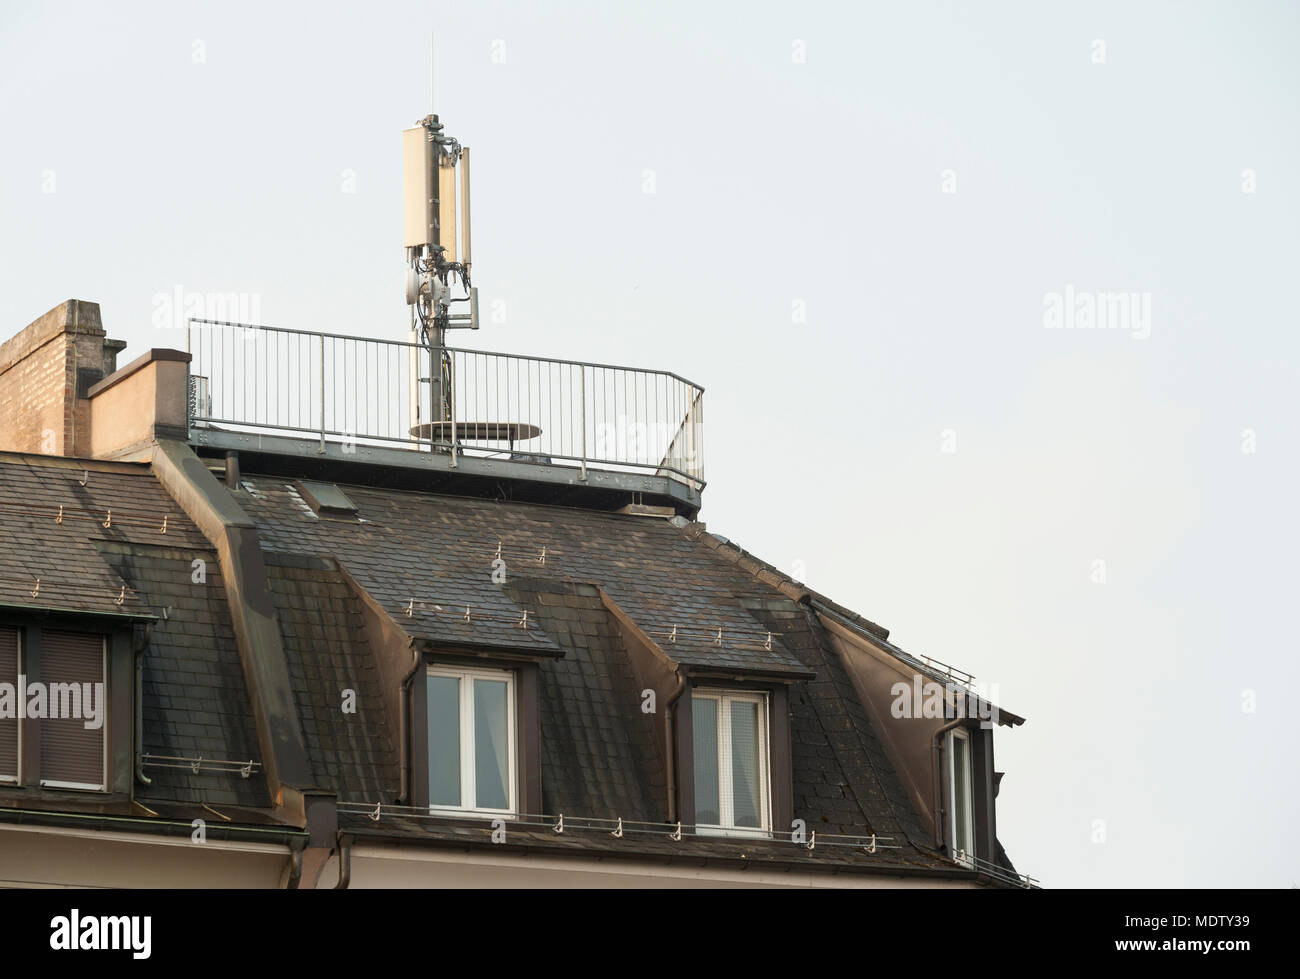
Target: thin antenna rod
x,y
464,207
433,106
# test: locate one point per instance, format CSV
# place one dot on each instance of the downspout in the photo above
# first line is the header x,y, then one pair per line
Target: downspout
x,y
938,778
345,865
139,649
295,869
670,755
406,734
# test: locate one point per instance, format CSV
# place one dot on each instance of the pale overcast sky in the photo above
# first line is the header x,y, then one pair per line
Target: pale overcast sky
x,y
862,213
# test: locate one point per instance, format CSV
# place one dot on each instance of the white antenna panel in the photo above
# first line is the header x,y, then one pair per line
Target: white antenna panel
x,y
417,152
447,209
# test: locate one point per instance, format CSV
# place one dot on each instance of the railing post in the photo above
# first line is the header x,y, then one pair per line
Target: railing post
x,y
582,400
451,392
321,346
690,435
189,379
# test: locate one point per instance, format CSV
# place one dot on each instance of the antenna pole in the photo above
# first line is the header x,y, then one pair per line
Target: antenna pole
x,y
430,160
437,334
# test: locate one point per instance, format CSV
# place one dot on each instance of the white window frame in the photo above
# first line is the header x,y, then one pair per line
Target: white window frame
x,y
726,810
962,856
467,675
87,786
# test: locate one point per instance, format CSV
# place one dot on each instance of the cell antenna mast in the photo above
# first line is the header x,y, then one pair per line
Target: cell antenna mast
x,y
437,271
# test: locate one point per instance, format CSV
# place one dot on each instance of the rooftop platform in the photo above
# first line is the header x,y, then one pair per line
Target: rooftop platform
x,y
524,428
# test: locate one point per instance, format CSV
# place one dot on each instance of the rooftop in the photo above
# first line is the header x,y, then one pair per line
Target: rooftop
x,y
527,427
576,578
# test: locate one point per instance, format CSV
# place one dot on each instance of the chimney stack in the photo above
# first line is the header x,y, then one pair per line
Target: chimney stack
x,y
45,372
62,393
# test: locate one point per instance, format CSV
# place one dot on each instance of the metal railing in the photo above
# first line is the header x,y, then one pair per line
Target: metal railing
x,y
336,388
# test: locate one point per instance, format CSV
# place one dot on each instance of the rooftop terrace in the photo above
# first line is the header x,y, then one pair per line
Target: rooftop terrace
x,y
529,427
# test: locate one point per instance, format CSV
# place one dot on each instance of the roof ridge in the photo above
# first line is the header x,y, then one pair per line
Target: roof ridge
x,y
74,463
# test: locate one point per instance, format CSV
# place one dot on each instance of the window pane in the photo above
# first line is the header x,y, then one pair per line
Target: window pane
x,y
961,794
491,751
444,741
704,714
744,765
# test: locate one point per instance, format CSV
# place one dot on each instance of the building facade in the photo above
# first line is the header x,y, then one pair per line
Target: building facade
x,y
244,644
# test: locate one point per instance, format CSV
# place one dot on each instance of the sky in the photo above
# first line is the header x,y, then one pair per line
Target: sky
x,y
885,237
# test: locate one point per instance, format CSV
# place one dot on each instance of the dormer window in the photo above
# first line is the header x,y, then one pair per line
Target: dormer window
x,y
732,782
471,738
961,808
54,720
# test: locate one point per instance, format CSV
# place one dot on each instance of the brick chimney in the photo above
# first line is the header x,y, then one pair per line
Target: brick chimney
x,y
45,372
62,393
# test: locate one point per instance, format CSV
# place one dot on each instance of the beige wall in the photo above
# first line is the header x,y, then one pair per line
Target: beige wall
x,y
36,856
126,414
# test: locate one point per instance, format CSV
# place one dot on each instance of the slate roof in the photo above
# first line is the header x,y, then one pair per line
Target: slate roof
x,y
599,760
598,756
439,551
50,525
433,555
328,653
195,702
840,767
